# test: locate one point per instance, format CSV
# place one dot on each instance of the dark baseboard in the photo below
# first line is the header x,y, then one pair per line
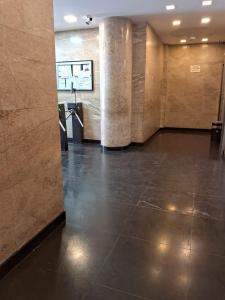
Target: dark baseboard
x,y
160,130
131,144
191,130
172,129
19,255
152,137
148,140
137,144
87,141
106,149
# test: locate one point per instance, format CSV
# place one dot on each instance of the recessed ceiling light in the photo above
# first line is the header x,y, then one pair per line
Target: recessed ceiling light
x,y
76,40
170,7
205,40
183,41
206,2
176,23
70,18
205,20
192,38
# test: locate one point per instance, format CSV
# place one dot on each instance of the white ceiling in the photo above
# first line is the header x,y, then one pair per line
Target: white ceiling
x,y
189,12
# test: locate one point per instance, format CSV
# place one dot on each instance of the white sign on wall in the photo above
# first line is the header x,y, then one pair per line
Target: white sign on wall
x,y
78,73
195,69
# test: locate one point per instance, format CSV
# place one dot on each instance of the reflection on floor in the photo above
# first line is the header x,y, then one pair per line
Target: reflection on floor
x,y
148,223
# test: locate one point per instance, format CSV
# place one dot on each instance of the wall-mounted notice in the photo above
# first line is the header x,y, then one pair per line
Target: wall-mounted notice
x,y
80,73
195,69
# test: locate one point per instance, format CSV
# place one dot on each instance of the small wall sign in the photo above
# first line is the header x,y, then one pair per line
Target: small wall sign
x,y
195,69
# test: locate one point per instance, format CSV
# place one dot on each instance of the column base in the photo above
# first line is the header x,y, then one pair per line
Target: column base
x,y
106,149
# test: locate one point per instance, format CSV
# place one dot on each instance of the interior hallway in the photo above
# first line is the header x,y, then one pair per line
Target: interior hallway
x,y
144,224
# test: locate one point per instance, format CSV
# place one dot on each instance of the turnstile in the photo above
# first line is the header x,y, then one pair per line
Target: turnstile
x,y
77,122
63,128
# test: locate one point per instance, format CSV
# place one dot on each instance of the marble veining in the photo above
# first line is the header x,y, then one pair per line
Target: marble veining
x,y
30,172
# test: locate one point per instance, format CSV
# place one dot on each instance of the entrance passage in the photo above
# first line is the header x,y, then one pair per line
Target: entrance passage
x,y
148,223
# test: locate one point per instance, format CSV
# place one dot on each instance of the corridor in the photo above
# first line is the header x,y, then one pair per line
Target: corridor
x,y
147,223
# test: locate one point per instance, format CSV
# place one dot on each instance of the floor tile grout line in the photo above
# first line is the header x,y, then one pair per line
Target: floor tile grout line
x,y
187,291
191,250
192,221
94,281
111,251
158,208
177,247
148,241
142,193
123,292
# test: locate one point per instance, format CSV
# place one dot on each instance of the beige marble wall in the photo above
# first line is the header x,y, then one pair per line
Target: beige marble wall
x,y
30,176
192,98
222,148
86,49
138,81
153,83
148,64
116,81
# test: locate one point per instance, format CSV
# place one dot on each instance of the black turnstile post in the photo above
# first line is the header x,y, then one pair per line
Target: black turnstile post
x,y
216,131
63,133
77,128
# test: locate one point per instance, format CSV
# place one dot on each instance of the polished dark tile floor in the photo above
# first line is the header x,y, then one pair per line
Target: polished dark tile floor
x,y
148,223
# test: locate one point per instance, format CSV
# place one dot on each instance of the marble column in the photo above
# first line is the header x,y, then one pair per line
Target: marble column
x,y
116,81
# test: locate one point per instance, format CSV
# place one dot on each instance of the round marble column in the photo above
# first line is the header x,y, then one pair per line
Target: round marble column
x,y
116,81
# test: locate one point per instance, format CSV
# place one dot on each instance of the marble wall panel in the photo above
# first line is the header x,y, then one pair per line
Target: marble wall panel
x,y
192,98
148,64
153,83
30,167
138,81
86,47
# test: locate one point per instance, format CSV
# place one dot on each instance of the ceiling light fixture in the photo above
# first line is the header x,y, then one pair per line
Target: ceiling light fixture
x,y
205,20
70,18
183,41
170,7
205,40
192,38
207,2
76,40
176,23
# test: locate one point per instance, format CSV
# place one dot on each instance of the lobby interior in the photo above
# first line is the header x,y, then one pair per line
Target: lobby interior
x,y
132,205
